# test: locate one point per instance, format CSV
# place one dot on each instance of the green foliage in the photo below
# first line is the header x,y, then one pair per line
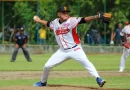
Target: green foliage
x,y
23,12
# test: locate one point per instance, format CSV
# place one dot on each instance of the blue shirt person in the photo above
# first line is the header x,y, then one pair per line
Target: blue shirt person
x,y
116,34
20,40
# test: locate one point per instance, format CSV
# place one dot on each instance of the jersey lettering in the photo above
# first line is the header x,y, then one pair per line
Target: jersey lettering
x,y
66,32
62,31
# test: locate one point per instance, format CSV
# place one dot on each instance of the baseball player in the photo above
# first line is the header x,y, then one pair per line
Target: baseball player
x,y
20,42
65,31
125,34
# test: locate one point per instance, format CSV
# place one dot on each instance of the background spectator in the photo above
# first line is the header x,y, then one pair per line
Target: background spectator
x,y
116,35
42,34
94,35
87,38
105,35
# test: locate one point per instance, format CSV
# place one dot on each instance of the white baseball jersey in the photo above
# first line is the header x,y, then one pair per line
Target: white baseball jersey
x,y
69,42
66,32
126,33
126,51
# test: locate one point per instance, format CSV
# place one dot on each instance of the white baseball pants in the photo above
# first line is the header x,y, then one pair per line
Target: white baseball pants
x,y
124,56
60,56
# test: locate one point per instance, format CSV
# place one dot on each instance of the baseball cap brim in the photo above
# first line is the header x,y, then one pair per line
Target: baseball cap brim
x,y
63,9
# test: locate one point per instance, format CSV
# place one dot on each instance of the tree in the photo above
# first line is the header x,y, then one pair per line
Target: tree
x,y
23,12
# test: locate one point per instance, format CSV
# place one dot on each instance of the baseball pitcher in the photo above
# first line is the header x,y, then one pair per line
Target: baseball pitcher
x,y
125,34
65,31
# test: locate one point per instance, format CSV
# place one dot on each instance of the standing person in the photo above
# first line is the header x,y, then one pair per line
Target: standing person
x,y
21,40
116,35
65,31
125,35
42,34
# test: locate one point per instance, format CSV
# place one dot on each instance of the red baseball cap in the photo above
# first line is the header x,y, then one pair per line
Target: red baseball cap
x,y
126,23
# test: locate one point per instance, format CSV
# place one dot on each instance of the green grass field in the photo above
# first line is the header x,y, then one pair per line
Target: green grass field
x,y
102,62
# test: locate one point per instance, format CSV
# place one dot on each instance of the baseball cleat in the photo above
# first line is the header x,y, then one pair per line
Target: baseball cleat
x,y
100,82
39,84
121,70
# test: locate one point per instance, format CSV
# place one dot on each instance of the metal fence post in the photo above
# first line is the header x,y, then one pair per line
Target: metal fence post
x,y
37,24
2,22
105,24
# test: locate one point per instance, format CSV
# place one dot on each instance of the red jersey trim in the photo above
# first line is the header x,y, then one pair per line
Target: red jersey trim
x,y
51,29
75,35
64,41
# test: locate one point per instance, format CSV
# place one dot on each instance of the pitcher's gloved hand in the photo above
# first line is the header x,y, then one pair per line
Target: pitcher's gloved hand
x,y
104,17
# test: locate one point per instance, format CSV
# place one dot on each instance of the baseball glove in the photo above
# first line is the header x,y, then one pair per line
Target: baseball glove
x,y
104,17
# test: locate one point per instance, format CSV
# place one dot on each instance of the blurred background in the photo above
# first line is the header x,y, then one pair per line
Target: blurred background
x,y
19,14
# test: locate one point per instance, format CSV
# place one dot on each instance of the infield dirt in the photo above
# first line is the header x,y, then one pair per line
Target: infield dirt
x,y
54,74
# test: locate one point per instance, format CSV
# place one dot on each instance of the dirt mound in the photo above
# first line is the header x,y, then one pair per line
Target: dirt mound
x,y
54,87
54,74
9,75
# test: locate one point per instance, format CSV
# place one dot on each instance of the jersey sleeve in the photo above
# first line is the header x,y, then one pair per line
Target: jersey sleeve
x,y
123,31
82,21
75,21
50,24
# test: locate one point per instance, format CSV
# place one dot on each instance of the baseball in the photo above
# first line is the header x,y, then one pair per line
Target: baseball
x,y
35,17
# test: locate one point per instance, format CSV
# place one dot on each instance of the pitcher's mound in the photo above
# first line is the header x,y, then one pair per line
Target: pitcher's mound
x,y
54,87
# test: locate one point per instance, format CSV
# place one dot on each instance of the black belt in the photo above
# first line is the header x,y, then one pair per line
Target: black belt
x,y
71,47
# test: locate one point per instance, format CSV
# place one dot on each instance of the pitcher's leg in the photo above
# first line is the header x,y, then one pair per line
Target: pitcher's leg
x,y
124,56
56,59
81,57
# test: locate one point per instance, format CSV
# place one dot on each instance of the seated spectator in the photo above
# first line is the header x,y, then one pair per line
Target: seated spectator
x,y
87,38
105,36
94,35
